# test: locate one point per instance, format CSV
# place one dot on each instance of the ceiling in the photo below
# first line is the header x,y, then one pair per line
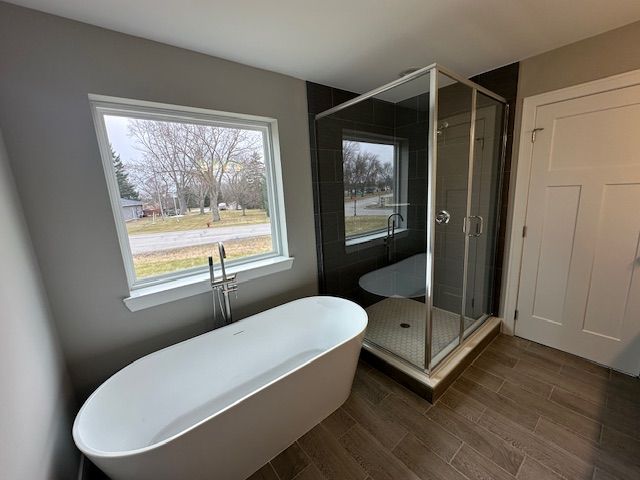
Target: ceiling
x,y
355,44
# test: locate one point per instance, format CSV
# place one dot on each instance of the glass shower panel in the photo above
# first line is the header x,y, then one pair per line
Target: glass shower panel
x,y
451,205
484,210
372,161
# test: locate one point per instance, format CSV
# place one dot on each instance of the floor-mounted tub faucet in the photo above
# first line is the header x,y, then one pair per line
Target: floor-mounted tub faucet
x,y
391,232
222,287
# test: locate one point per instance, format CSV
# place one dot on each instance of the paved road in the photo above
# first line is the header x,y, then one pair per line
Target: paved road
x,y
153,242
361,209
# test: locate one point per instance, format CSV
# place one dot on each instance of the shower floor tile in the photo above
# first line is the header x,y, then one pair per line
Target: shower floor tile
x,y
398,325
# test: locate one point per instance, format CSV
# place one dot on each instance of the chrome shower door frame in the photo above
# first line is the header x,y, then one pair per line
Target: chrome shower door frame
x,y
434,69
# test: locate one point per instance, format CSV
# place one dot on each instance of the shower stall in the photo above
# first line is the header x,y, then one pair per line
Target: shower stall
x,y
408,203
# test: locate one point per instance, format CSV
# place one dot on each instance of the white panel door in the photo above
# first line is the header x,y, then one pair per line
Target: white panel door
x,y
580,276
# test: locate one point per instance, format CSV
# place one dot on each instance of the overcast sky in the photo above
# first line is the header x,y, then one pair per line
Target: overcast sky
x,y
118,136
383,151
117,132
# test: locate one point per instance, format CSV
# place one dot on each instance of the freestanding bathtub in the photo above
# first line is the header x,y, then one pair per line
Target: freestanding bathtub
x,y
221,405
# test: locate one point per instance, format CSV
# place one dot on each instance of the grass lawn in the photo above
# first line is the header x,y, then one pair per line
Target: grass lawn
x,y
364,223
167,261
195,221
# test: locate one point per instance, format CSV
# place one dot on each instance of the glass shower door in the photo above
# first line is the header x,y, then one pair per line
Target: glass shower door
x,y
450,173
484,210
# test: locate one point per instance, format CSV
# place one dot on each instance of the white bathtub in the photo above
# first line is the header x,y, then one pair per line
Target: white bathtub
x,y
406,278
219,406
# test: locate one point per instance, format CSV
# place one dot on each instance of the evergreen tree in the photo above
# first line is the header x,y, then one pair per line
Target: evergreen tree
x,y
127,190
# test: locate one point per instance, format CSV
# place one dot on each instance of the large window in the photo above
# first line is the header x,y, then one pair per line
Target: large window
x,y
183,179
374,183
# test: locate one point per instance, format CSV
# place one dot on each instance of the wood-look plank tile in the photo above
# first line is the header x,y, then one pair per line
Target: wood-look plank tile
x,y
536,447
477,467
621,445
572,384
622,380
373,458
480,439
587,451
484,378
426,430
499,356
416,401
498,403
518,342
541,360
310,473
595,381
622,405
602,475
532,470
338,422
329,456
423,461
629,425
290,462
463,405
372,391
265,473
387,432
517,378
569,359
559,414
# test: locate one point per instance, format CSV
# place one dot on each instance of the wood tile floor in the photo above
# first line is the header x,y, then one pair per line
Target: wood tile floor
x,y
521,410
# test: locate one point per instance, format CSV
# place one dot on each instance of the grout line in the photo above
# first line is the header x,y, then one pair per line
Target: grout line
x,y
391,449
462,443
338,437
535,427
553,387
504,380
275,471
524,458
299,474
484,410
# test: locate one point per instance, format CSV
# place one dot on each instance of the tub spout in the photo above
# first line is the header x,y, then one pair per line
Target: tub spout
x,y
391,233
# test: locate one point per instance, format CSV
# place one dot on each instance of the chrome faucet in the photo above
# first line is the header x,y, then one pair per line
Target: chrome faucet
x,y
222,287
391,232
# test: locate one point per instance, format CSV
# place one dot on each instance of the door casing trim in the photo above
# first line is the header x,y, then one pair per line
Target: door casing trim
x,y
521,176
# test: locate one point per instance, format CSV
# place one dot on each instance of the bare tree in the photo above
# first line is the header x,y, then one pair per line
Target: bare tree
x,y
190,159
362,170
161,145
213,150
244,182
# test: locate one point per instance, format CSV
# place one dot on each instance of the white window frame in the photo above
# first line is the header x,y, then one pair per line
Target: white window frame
x,y
104,105
400,177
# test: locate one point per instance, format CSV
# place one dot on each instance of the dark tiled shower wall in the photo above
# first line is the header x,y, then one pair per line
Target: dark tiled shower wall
x,y
339,268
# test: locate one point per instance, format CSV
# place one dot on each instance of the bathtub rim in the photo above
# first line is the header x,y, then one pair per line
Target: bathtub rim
x,y
90,451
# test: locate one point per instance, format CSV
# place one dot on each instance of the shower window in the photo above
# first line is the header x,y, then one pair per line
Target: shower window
x,y
375,184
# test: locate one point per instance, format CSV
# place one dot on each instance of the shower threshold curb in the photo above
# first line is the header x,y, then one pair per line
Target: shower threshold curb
x,y
431,387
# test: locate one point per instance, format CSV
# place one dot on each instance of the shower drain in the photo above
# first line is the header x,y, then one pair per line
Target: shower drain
x,y
405,325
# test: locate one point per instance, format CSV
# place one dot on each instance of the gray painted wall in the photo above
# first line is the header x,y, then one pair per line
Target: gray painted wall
x,y
35,437
49,65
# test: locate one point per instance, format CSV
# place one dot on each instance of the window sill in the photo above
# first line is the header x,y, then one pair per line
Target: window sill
x,y
370,238
173,290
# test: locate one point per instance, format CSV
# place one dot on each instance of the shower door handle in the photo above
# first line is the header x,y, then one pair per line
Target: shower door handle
x,y
479,229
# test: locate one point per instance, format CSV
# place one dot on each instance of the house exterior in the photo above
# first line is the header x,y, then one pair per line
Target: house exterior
x,y
131,209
